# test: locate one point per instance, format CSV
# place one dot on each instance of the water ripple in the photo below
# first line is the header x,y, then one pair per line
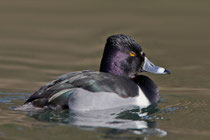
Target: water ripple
x,y
8,98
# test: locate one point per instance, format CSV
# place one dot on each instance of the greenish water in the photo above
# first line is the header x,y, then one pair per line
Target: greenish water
x,y
40,40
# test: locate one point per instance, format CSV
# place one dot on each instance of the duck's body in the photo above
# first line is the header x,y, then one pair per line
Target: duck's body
x,y
87,90
117,84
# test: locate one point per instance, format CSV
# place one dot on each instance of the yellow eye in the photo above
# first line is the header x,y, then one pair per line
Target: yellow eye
x,y
132,54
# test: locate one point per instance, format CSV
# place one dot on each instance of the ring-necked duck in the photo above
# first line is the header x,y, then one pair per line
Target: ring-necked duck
x,y
117,84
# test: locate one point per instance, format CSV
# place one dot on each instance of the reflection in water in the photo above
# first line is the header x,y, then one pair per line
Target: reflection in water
x,y
116,123
111,122
116,120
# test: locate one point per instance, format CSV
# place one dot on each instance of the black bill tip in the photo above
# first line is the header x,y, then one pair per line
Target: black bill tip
x,y
167,71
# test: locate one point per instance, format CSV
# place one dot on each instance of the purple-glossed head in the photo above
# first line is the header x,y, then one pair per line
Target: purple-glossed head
x,y
123,56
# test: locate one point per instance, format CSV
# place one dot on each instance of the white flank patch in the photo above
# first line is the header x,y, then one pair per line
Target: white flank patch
x,y
142,100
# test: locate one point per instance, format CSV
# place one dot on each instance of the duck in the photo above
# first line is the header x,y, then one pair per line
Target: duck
x,y
118,83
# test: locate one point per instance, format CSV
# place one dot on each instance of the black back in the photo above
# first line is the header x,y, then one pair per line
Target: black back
x,y
88,80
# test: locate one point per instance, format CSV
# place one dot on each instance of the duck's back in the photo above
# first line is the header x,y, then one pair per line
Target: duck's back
x,y
58,91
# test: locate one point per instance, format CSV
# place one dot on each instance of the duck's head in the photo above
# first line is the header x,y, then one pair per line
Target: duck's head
x,y
123,56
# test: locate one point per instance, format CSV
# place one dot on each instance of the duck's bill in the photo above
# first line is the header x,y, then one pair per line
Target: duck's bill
x,y
150,67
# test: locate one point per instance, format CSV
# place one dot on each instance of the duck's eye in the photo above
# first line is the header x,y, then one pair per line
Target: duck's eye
x,y
132,54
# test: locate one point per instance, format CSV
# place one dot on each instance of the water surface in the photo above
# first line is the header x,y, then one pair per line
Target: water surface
x,y
40,40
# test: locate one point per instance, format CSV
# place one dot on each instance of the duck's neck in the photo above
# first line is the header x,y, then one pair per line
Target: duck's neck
x,y
112,63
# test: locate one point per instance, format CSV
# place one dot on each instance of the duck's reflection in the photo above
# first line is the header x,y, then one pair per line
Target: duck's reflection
x,y
112,120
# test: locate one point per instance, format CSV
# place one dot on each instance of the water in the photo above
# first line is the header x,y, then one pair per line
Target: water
x,y
40,40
